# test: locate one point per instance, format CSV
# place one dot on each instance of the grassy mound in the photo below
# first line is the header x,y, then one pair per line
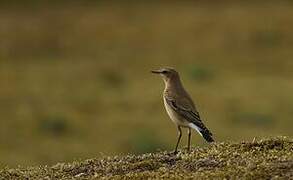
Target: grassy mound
x,y
265,159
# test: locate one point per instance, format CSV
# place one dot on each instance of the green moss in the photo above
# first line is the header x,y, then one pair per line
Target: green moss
x,y
265,159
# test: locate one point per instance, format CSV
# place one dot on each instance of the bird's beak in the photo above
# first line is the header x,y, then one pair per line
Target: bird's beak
x,y
156,71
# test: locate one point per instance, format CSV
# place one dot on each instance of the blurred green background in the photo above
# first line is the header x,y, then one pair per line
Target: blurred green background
x,y
75,81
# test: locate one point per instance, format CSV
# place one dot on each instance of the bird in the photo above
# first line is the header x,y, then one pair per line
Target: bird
x,y
180,107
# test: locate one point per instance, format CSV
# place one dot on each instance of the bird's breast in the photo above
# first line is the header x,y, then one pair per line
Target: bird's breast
x,y
174,116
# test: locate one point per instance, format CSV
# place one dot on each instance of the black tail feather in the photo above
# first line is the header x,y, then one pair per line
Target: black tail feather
x,y
207,136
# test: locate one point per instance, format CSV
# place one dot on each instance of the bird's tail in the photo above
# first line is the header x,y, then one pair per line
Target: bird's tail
x,y
204,132
207,136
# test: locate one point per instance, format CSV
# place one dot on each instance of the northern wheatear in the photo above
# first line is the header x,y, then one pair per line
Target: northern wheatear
x,y
180,106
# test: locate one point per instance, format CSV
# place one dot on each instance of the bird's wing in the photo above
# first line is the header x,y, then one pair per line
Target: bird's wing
x,y
187,112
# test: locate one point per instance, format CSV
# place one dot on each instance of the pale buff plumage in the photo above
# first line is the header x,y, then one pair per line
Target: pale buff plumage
x,y
180,106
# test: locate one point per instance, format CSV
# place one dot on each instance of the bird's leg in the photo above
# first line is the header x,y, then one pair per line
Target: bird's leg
x,y
179,137
189,138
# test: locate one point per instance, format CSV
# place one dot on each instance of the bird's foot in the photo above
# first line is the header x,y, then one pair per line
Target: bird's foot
x,y
173,153
187,149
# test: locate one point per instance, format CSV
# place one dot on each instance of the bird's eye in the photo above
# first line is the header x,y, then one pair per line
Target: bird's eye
x,y
164,72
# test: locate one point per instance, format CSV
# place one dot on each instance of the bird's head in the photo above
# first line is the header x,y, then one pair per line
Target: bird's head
x,y
167,73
